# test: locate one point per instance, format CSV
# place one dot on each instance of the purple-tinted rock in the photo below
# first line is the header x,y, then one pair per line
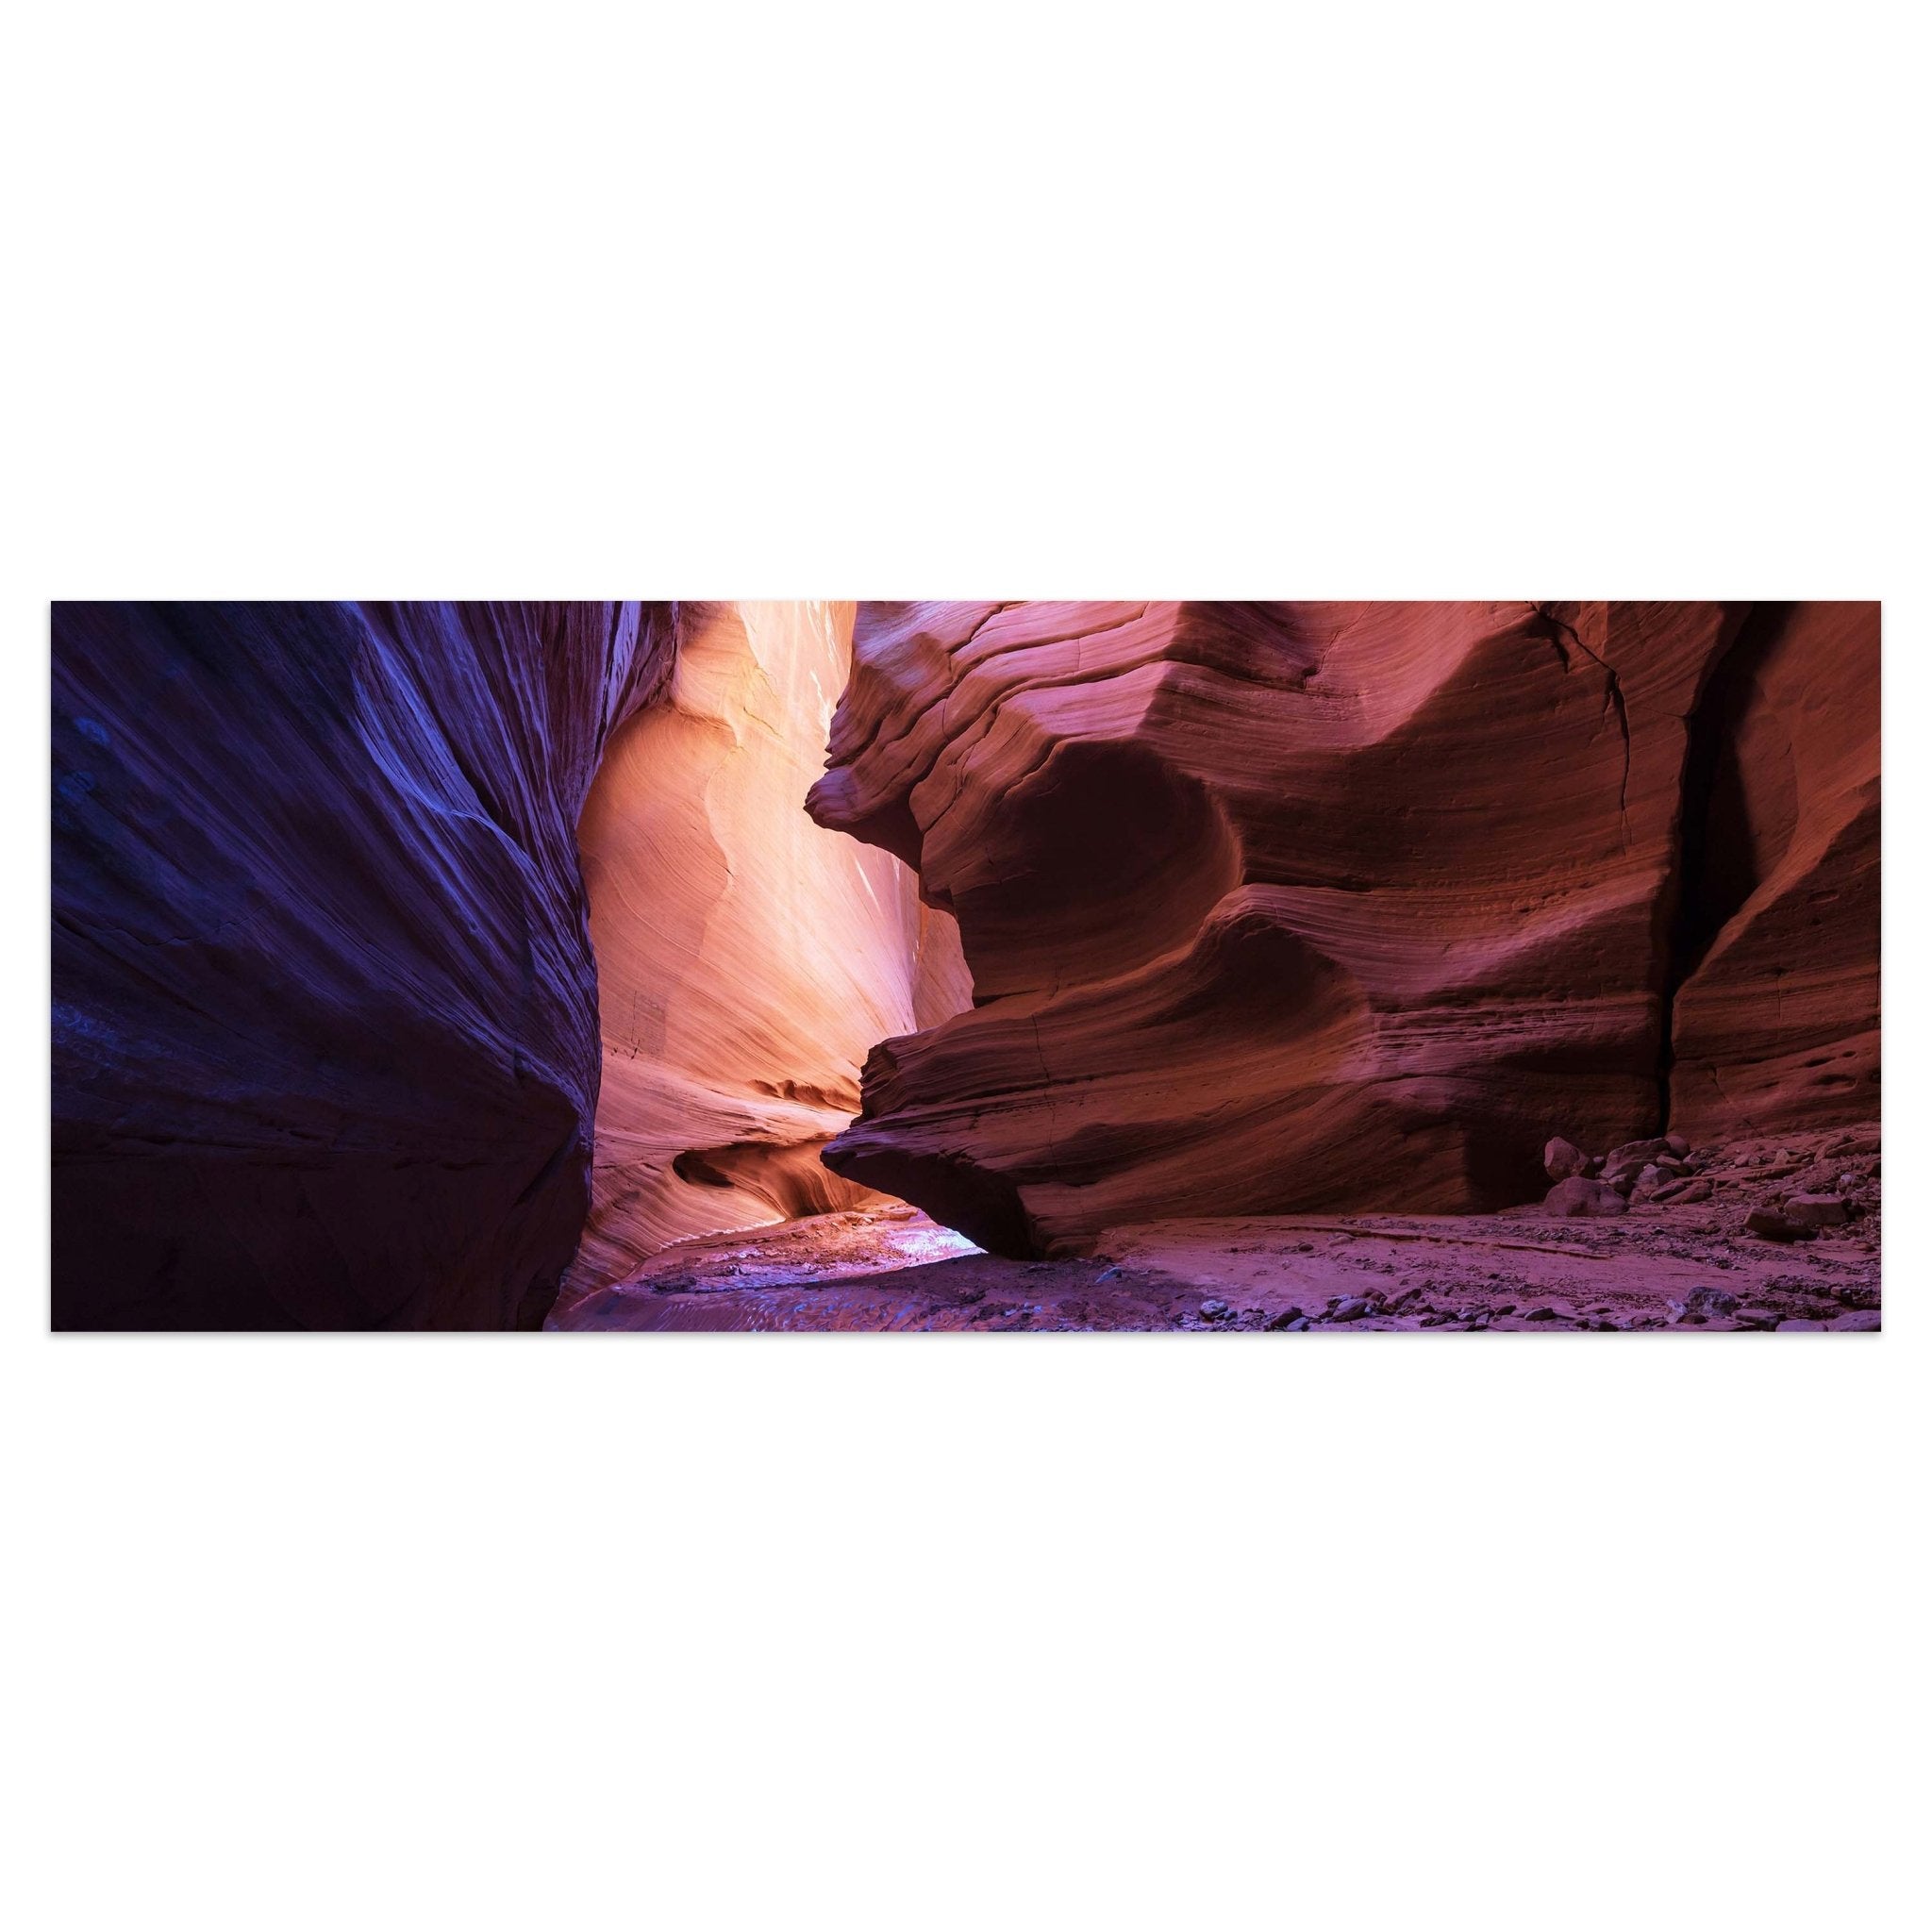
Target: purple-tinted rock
x,y
326,1042
1634,1155
1683,1193
1710,1301
1816,1210
1773,1226
1578,1196
1563,1159
1144,815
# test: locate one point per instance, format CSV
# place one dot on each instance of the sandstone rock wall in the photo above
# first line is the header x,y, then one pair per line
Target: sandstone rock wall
x,y
324,1035
1267,908
1285,906
1776,1025
749,960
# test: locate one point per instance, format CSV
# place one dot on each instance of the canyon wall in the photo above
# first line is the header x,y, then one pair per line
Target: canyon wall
x,y
324,1034
1776,1024
749,960
1270,906
1302,906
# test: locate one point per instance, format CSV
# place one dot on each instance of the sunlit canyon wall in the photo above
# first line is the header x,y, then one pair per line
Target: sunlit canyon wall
x,y
1302,906
749,960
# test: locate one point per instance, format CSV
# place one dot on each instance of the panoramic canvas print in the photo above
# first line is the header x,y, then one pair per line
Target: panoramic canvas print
x,y
1203,966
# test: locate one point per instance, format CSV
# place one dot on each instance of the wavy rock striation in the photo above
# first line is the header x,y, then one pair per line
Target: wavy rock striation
x,y
1279,908
325,1044
749,960
1775,1019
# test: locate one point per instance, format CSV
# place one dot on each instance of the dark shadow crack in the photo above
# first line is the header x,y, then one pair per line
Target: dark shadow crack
x,y
1715,866
1559,628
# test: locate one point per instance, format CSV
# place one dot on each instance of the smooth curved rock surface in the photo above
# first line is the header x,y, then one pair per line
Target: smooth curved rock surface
x,y
1777,1024
324,1038
1280,907
749,960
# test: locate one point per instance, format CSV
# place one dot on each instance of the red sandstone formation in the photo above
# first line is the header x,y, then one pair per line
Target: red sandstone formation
x,y
1269,909
1777,1024
748,960
1281,908
325,1025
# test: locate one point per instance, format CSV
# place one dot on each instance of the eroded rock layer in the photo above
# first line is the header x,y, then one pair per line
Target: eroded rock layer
x,y
324,1038
748,958
1278,907
1776,1024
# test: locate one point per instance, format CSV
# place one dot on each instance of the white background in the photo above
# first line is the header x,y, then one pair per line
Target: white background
x,y
1011,300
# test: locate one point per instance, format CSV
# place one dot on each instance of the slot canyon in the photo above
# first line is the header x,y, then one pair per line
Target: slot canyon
x,y
789,965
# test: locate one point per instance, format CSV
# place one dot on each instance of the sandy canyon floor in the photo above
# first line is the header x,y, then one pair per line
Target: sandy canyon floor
x,y
1686,1266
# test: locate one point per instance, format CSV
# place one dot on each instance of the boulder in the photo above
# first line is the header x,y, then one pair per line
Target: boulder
x,y
1683,1193
1635,1153
1816,1210
1772,1226
1710,1301
1562,1158
1578,1196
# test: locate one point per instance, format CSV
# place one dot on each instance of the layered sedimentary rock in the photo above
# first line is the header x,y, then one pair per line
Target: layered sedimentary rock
x,y
1269,908
1775,1023
1279,908
749,960
326,1045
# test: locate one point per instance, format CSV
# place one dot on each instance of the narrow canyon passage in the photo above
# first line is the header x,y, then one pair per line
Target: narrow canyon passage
x,y
748,960
628,965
